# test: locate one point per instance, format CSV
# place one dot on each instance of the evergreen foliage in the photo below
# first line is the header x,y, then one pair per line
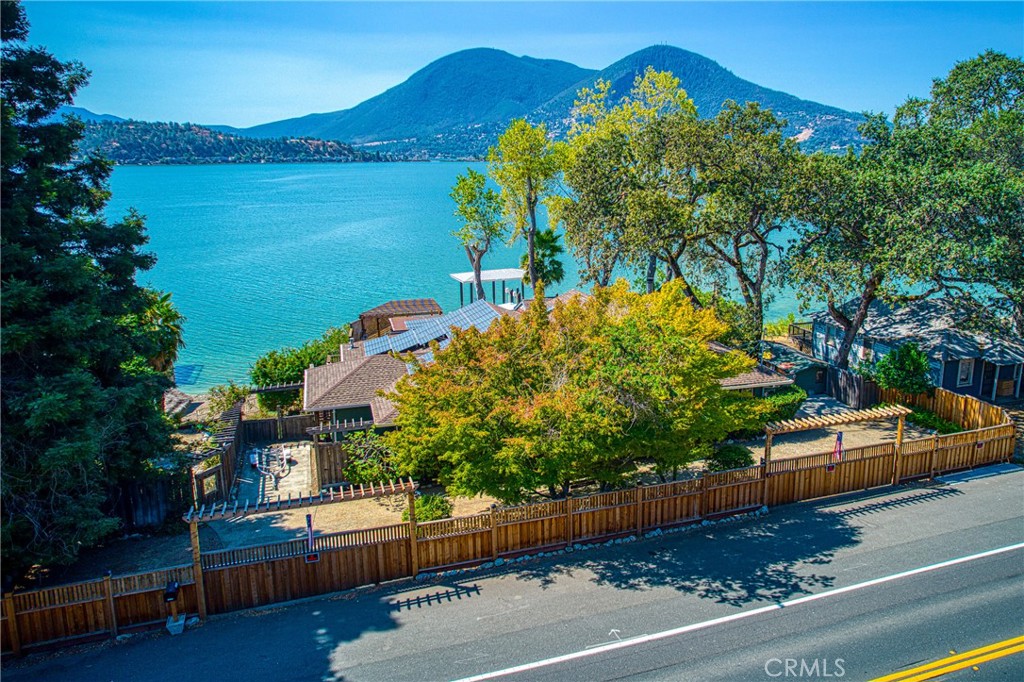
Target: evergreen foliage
x,y
81,378
727,457
288,365
906,368
431,507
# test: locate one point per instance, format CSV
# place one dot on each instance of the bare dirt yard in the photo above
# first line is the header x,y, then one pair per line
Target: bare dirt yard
x,y
802,443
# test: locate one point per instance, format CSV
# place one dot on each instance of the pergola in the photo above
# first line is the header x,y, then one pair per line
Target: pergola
x,y
852,417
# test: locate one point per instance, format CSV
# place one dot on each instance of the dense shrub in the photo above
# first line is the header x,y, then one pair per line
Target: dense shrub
x,y
431,508
728,457
905,369
927,419
785,403
369,459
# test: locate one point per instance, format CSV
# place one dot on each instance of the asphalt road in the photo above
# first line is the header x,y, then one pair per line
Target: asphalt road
x,y
578,604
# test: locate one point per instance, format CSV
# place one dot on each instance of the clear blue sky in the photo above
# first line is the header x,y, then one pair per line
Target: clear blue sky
x,y
242,63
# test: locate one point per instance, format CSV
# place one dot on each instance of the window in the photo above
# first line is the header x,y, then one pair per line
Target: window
x,y
965,376
867,351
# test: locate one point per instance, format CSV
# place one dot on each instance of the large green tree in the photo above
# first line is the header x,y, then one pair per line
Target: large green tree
x,y
632,190
80,400
592,391
971,132
749,168
479,207
933,203
524,164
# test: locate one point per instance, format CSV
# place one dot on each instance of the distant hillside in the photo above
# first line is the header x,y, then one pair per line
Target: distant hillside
x,y
84,114
709,85
461,91
142,143
456,106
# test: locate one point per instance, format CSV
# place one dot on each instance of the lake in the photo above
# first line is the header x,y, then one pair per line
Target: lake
x,y
263,256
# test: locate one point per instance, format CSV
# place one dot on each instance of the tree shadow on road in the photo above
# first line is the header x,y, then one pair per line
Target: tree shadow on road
x,y
769,559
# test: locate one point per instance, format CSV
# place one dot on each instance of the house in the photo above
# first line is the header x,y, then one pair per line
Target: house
x,y
806,371
963,361
392,317
344,395
759,381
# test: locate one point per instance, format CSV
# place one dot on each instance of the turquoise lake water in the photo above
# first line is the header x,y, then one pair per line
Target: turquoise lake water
x,y
262,256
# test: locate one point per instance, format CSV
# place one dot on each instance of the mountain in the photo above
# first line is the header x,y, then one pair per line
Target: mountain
x,y
456,106
84,114
466,89
143,143
709,84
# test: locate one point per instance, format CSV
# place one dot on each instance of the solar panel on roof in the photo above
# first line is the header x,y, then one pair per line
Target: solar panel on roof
x,y
478,314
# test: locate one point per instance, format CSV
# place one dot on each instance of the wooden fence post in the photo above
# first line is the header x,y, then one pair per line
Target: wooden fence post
x,y
976,455
111,610
197,569
494,534
898,448
934,456
639,507
414,550
12,624
764,470
568,521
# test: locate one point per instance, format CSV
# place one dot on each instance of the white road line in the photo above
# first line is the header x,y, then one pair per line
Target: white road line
x,y
736,616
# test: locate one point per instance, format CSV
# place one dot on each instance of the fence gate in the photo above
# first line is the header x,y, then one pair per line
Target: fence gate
x,y
850,389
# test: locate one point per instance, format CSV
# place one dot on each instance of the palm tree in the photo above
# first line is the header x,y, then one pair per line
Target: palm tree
x,y
166,325
547,249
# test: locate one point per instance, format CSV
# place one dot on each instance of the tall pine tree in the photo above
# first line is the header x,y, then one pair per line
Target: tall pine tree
x,y
80,401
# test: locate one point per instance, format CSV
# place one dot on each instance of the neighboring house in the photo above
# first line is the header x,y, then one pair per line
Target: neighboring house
x,y
758,381
344,395
392,317
806,372
982,365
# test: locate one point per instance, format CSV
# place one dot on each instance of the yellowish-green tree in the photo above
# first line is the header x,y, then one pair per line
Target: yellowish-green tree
x,y
524,164
595,389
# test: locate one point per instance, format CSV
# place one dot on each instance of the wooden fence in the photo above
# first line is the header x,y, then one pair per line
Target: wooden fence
x,y
254,576
850,389
266,430
965,410
327,463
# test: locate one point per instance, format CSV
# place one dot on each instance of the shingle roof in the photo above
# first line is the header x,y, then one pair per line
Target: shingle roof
x,y
410,306
353,383
932,324
759,377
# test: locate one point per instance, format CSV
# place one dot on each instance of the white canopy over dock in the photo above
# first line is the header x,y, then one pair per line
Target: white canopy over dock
x,y
502,275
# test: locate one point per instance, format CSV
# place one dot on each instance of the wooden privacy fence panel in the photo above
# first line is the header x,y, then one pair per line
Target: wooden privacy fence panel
x,y
531,527
729,492
604,514
671,504
265,430
819,475
71,613
256,584
967,411
328,464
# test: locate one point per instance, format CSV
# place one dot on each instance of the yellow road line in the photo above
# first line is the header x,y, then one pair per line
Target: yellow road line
x,y
957,662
